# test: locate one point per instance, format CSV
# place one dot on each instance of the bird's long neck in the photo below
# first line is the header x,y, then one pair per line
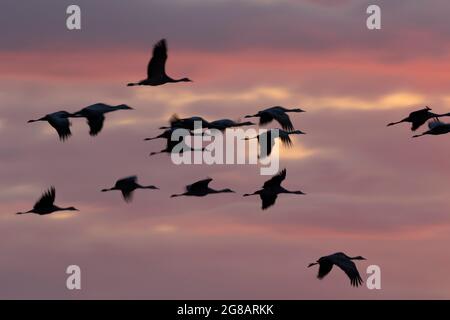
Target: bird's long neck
x,y
217,191
158,152
62,209
36,120
419,135
443,115
178,195
157,137
251,194
109,189
394,123
283,190
147,187
30,211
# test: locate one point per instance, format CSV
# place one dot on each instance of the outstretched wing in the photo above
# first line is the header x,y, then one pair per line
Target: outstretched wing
x,y
325,267
126,185
126,181
276,180
156,66
61,125
199,185
47,199
434,124
417,123
265,117
127,195
95,123
268,199
286,140
283,119
266,142
350,270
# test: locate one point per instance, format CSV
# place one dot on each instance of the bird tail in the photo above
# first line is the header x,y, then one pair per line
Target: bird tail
x,y
131,84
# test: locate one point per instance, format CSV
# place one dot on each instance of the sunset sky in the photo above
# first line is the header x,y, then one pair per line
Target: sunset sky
x,y
371,190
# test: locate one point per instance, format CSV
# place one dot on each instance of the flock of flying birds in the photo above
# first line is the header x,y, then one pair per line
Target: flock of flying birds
x,y
156,76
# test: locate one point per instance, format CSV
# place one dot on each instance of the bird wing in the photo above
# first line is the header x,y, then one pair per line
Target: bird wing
x,y
47,199
127,195
126,181
434,124
266,142
199,185
156,66
349,267
61,125
285,139
283,119
417,123
268,199
325,267
174,120
265,117
276,180
95,122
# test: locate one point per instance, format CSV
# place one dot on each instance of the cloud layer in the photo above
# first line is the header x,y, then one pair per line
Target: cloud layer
x,y
371,190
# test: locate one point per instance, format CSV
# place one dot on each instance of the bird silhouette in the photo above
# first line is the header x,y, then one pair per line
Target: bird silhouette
x,y
271,189
60,121
171,144
276,113
419,117
342,261
266,140
436,127
95,115
224,124
127,186
156,69
200,189
186,123
45,205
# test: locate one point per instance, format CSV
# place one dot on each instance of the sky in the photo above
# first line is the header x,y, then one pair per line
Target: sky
x,y
371,190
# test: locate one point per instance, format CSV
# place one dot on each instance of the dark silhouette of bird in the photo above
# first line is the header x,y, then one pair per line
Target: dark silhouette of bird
x,y
95,115
156,69
127,186
436,127
60,121
266,140
271,189
276,113
45,205
182,146
224,124
167,134
200,189
419,117
186,123
342,261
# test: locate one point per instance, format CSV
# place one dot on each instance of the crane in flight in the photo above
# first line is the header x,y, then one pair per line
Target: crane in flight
x,y
46,204
156,68
344,262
